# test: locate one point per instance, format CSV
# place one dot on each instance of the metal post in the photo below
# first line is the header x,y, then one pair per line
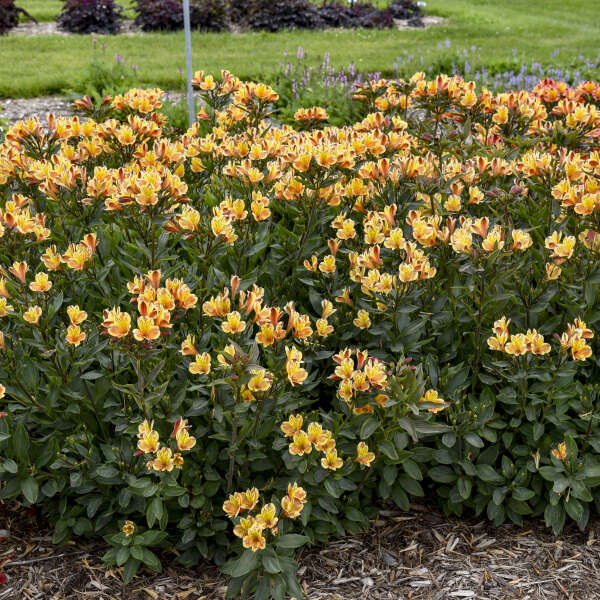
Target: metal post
x,y
188,60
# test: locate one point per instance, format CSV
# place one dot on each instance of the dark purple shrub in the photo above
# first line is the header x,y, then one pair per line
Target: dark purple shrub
x,y
275,15
90,16
359,14
407,11
9,15
167,15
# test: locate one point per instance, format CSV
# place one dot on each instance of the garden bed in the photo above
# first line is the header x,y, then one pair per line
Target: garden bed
x,y
417,555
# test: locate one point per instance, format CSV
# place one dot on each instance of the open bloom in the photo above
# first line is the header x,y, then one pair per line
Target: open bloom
x,y
74,335
233,323
292,425
301,444
332,461
118,323
163,461
432,397
185,441
41,283
148,442
233,505
76,315
363,456
260,381
32,315
201,364
266,518
146,329
254,539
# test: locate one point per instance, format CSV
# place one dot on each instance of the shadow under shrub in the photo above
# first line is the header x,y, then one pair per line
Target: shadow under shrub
x,y
242,339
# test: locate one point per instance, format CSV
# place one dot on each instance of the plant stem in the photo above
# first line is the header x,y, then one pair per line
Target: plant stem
x,y
478,332
232,455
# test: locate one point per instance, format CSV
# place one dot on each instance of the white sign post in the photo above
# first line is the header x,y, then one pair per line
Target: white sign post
x,y
188,60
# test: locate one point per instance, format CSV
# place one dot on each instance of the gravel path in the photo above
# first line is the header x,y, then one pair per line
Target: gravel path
x,y
28,29
18,109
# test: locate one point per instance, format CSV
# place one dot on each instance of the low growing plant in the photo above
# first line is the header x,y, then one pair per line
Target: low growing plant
x,y
247,337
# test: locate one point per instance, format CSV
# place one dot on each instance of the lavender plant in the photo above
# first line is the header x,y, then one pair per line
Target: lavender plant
x,y
303,83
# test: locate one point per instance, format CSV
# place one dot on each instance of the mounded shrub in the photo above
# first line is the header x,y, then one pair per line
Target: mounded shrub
x,y
249,338
303,14
167,15
90,16
9,15
275,16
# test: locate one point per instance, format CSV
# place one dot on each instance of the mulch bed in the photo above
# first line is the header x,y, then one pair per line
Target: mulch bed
x,y
421,555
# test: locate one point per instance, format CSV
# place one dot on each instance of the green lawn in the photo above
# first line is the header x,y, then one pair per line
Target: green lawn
x,y
46,10
504,31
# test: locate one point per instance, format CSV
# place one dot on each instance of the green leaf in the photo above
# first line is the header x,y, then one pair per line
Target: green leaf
x,y
152,537
247,562
107,471
386,447
400,497
151,560
154,512
332,487
353,514
271,563
30,489
574,509
488,474
110,558
522,494
368,428
291,540
136,551
442,474
9,465
464,486
130,569
474,440
21,443
591,471
411,468
122,555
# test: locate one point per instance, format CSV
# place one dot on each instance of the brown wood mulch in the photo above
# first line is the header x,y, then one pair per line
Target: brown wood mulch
x,y
421,555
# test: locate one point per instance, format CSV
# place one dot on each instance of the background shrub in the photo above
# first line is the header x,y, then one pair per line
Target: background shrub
x,y
90,16
275,16
9,15
206,15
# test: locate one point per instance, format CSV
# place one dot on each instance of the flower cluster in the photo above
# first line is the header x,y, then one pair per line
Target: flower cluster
x,y
252,529
165,459
155,306
367,376
519,344
315,437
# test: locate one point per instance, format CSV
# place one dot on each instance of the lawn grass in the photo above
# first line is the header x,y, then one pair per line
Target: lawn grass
x,y
46,10
505,31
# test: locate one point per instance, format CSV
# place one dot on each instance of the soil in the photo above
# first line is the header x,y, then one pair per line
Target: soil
x,y
420,555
